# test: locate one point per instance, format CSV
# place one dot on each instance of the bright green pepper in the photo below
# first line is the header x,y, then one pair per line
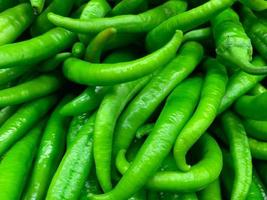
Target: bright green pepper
x,y
19,123
36,49
16,164
14,21
49,154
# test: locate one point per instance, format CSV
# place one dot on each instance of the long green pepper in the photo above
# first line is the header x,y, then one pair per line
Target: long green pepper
x,y
109,74
233,46
19,123
16,164
14,21
107,115
137,112
49,154
36,49
143,22
176,112
211,95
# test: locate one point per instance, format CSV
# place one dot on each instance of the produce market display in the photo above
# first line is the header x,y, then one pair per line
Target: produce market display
x,y
133,99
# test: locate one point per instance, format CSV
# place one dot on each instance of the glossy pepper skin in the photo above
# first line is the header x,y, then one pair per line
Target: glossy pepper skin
x,y
11,74
97,45
240,152
36,49
143,22
233,46
252,106
75,166
109,110
256,30
212,191
14,21
159,143
49,154
258,149
19,123
109,74
16,164
91,97
37,6
38,87
257,5
211,95
200,176
42,24
93,9
185,21
239,84
137,112
7,112
257,188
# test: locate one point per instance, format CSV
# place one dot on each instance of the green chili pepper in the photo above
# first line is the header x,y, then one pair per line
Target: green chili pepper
x,y
16,164
256,30
37,6
87,101
252,106
143,22
201,174
36,49
49,155
52,63
7,112
210,99
91,186
240,152
5,4
257,89
212,191
256,129
141,195
93,9
30,90
19,123
145,103
258,149
96,46
107,115
91,98
105,74
11,74
256,190
198,34
78,50
179,106
14,21
233,46
185,21
257,5
75,166
239,84
75,126
144,130
129,7
42,24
